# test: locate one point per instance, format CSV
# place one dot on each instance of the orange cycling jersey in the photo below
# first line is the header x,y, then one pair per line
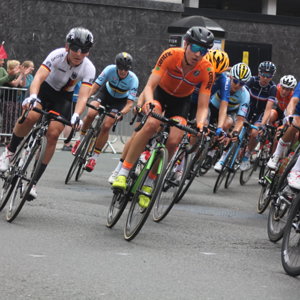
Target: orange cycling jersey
x,y
283,101
175,82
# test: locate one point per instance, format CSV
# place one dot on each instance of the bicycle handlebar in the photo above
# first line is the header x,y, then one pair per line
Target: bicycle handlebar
x,y
53,115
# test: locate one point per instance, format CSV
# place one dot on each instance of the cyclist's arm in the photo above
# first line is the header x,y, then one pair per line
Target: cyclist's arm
x,y
40,76
84,93
94,89
202,109
151,85
222,113
127,107
292,106
267,113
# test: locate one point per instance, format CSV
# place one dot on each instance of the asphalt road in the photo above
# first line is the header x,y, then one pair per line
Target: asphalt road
x,y
209,247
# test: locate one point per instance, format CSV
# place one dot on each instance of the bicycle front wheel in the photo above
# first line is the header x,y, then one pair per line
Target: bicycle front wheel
x,y
167,196
137,215
290,251
79,158
266,191
26,178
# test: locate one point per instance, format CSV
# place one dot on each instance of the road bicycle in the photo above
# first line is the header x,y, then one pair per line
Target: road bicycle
x,y
86,147
261,154
24,168
156,165
234,157
290,250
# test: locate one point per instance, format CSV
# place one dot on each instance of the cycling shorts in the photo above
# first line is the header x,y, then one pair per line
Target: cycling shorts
x,y
59,101
214,114
171,105
107,100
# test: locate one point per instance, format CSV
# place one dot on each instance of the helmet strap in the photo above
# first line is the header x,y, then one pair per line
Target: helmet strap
x,y
186,59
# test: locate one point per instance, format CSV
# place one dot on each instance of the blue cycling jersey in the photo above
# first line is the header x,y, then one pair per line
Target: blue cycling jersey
x,y
117,87
297,95
238,101
221,84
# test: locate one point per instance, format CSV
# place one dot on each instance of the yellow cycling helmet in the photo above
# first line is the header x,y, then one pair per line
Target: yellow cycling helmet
x,y
219,60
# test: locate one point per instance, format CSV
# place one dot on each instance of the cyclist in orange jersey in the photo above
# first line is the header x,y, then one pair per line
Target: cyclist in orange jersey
x,y
169,87
285,90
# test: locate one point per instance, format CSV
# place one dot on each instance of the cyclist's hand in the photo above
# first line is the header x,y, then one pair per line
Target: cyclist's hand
x,y
288,120
119,116
235,136
137,109
30,101
221,134
76,122
262,129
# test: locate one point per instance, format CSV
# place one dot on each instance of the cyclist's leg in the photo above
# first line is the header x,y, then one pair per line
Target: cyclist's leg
x,y
137,146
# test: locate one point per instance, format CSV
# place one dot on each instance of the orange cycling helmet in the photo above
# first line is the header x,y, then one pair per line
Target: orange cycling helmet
x,y
219,60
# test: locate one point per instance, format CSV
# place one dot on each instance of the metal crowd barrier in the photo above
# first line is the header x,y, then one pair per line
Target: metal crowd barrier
x,y
10,109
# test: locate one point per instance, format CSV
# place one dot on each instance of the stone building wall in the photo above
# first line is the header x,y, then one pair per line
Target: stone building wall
x,y
32,28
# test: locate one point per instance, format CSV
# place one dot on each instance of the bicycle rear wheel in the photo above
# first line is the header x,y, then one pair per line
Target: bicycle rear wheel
x,y
25,179
290,251
265,193
79,158
246,175
167,196
137,216
192,170
116,208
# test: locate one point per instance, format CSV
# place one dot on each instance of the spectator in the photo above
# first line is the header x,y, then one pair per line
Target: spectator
x,y
10,74
10,107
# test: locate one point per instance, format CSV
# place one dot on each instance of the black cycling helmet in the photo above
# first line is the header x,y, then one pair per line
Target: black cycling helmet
x,y
124,61
80,37
267,67
200,36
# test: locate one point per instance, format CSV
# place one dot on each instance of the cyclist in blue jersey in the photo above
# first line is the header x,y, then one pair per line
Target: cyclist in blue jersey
x,y
117,87
237,104
262,98
293,109
52,89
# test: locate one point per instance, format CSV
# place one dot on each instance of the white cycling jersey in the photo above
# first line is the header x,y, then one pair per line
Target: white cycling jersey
x,y
64,77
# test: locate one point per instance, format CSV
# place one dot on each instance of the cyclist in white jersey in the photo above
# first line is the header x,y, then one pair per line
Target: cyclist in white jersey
x,y
52,89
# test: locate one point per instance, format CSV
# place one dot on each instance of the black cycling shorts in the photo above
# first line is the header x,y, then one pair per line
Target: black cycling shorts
x,y
173,106
60,102
107,100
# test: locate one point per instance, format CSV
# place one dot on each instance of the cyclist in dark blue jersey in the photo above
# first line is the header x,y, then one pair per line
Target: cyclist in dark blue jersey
x,y
116,87
262,97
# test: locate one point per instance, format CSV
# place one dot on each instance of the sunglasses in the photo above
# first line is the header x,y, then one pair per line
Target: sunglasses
x,y
236,81
196,48
266,75
75,48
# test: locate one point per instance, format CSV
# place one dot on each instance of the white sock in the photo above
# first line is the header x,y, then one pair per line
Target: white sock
x,y
281,148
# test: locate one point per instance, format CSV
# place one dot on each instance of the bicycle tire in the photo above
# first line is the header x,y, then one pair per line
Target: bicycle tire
x,y
278,213
265,193
192,170
135,213
246,175
116,208
167,196
79,158
290,250
28,174
225,169
9,178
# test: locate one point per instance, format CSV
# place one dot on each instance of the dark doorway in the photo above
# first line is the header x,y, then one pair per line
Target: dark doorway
x,y
257,53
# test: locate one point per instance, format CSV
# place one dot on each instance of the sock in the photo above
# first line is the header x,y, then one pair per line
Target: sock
x,y
82,134
119,166
281,147
14,143
150,179
96,154
126,167
40,173
297,165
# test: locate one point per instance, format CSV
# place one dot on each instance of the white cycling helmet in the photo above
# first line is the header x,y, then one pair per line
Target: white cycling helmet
x,y
241,72
288,81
